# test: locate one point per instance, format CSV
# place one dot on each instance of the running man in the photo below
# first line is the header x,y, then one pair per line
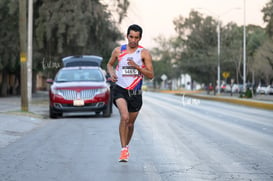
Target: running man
x,y
133,63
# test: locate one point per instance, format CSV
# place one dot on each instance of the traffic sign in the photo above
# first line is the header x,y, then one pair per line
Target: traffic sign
x,y
225,74
164,77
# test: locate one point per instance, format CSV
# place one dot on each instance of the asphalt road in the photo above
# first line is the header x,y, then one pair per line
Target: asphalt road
x,y
176,138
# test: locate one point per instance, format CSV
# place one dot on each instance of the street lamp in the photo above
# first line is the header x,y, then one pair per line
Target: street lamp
x,y
218,52
244,48
219,43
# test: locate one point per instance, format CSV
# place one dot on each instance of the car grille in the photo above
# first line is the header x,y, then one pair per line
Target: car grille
x,y
84,94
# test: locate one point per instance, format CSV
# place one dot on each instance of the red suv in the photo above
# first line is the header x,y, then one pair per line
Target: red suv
x,y
80,86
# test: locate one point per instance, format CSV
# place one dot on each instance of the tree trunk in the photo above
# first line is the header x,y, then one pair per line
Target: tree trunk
x,y
34,81
4,84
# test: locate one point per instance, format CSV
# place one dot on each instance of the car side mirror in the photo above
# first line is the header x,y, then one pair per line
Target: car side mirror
x,y
108,79
49,81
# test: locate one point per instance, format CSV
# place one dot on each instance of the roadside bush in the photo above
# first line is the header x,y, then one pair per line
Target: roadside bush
x,y
247,94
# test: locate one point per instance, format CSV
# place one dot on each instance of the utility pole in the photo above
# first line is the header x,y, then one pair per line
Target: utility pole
x,y
29,48
23,54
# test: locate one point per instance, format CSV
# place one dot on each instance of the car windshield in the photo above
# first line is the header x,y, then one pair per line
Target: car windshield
x,y
72,75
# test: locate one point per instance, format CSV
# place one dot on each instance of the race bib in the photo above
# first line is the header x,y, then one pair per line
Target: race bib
x,y
129,71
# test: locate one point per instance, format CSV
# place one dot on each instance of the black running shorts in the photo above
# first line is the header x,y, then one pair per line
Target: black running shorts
x,y
133,99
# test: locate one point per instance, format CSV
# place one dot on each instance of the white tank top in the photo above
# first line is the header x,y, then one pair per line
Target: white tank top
x,y
129,77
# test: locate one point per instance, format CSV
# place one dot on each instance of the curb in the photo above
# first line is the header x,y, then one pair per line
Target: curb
x,y
240,101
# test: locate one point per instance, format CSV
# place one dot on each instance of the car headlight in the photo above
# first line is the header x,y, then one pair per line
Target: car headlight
x,y
57,92
101,90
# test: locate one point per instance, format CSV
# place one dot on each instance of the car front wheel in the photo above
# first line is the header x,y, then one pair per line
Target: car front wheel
x,y
107,112
54,114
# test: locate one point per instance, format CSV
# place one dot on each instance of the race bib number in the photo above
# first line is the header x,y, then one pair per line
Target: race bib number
x,y
129,71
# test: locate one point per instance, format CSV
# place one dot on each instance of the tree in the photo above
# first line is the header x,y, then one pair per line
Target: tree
x,y
256,38
9,47
268,17
263,62
61,28
231,48
263,65
163,59
194,49
74,28
198,55
117,8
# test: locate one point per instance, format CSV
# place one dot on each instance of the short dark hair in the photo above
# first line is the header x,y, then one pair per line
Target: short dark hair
x,y
136,28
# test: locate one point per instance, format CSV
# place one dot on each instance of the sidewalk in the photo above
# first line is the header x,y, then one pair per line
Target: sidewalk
x,y
37,104
14,123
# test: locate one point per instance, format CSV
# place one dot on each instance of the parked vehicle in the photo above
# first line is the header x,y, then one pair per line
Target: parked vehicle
x,y
261,89
80,87
224,88
270,89
227,88
237,88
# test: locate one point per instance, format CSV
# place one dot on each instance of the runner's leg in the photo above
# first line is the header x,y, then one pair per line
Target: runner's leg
x,y
124,119
131,122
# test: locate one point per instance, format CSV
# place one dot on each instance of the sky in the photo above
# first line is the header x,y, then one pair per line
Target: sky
x,y
156,16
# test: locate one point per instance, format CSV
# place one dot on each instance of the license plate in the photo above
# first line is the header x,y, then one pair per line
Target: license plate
x,y
78,102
